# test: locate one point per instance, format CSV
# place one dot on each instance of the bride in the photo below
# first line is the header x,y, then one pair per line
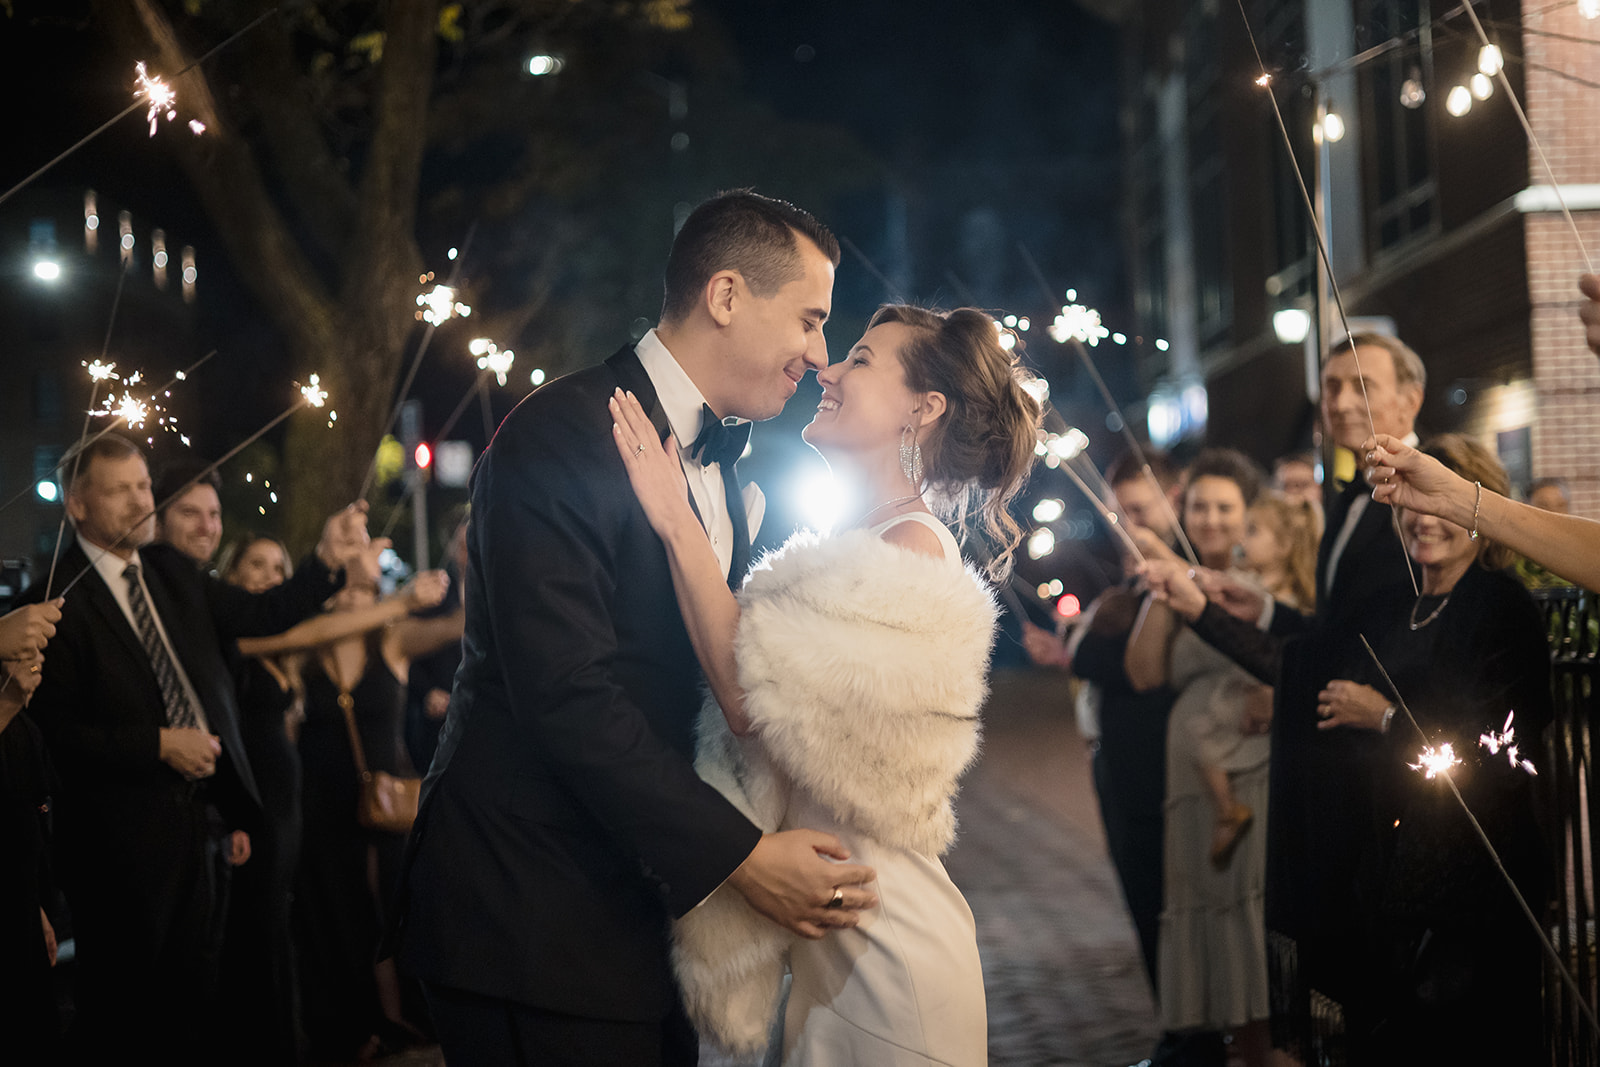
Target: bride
x,y
846,678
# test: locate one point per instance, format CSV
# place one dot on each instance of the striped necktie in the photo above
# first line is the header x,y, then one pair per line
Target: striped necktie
x,y
180,711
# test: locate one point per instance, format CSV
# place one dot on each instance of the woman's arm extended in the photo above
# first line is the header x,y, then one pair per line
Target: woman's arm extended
x,y
1149,646
710,612
1403,477
422,592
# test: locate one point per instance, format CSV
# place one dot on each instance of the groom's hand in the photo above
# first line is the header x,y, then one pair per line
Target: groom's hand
x,y
787,879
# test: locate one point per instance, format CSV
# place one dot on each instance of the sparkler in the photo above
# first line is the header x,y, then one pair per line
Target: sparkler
x,y
1265,83
158,94
164,390
1433,762
139,101
311,395
1089,324
1494,855
422,350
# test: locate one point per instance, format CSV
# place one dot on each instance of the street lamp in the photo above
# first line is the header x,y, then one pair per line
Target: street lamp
x,y
46,270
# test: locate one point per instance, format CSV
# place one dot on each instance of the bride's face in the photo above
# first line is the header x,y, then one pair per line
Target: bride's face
x,y
865,402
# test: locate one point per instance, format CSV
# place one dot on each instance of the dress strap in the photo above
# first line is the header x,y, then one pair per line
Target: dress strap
x,y
947,540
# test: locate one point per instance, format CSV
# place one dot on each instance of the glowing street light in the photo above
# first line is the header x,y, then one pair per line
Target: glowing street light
x,y
46,270
541,65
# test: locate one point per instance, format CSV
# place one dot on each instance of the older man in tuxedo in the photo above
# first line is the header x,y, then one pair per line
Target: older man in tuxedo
x,y
137,705
1317,818
562,825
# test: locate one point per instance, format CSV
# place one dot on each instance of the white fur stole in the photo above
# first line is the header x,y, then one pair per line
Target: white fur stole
x,y
864,665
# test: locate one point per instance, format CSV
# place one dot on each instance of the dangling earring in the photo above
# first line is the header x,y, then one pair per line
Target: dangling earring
x,y
911,458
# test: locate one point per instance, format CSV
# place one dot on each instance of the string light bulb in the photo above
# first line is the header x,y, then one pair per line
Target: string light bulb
x,y
1589,9
1482,86
1412,94
1459,102
1490,61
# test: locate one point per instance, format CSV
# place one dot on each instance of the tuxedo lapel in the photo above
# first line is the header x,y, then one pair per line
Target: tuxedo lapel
x,y
632,378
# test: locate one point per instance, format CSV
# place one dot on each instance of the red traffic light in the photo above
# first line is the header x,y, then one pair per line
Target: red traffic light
x,y
423,456
1068,606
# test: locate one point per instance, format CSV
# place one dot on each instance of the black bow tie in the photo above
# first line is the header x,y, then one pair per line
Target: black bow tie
x,y
718,443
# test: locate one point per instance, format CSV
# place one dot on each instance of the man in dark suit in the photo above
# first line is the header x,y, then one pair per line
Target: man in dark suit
x,y
137,705
562,825
1318,818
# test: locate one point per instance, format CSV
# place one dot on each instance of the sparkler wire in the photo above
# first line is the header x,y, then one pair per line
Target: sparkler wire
x,y
1111,518
1494,856
1111,403
416,363
135,106
1265,81
1533,139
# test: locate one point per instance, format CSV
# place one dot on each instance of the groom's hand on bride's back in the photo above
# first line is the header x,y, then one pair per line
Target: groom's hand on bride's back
x,y
791,876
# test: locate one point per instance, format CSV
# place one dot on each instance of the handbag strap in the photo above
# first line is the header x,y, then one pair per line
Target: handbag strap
x,y
347,704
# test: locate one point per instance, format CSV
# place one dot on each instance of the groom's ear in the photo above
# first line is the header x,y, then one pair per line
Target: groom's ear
x,y
721,294
931,408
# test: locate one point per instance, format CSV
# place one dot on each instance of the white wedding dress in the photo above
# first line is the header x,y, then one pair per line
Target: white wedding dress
x,y
905,987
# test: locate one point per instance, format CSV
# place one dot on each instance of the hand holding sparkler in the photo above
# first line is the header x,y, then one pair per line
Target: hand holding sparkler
x,y
344,538
427,590
1173,581
18,680
25,631
1344,703
1239,599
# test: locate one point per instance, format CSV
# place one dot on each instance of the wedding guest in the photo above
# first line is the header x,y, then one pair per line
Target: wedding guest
x,y
141,717
1126,729
355,687
1280,549
260,983
1213,973
191,518
1449,945
28,1016
1295,476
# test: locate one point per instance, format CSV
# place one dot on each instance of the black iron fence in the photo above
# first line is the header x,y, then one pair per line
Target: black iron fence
x,y
1572,620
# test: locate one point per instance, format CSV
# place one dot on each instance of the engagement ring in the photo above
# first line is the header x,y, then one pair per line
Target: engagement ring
x,y
638,451
838,898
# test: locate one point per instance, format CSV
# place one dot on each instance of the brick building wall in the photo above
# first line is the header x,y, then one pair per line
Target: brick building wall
x,y
1566,116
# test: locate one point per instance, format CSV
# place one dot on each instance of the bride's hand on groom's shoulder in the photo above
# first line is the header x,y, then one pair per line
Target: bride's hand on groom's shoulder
x,y
793,879
653,469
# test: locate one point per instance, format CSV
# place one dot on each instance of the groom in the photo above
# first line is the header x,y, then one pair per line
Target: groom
x,y
562,825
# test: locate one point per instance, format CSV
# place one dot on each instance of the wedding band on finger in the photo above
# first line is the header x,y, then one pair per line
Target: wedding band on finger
x,y
638,451
837,901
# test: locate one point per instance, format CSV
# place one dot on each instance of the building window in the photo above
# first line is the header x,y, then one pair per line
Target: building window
x,y
1402,193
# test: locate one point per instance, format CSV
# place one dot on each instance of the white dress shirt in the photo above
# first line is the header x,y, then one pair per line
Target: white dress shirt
x,y
683,404
110,567
1358,507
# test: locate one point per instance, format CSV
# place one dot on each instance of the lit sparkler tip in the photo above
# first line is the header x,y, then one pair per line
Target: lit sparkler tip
x,y
99,372
1264,81
315,395
1433,762
439,305
196,127
132,411
158,93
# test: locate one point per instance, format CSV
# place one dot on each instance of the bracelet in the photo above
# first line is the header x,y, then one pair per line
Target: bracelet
x,y
1477,502
1388,714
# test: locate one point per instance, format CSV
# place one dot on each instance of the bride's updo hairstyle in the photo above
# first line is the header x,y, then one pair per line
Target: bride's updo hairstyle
x,y
977,456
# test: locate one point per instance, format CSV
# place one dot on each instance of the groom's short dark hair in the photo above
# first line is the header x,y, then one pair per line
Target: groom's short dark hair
x,y
744,231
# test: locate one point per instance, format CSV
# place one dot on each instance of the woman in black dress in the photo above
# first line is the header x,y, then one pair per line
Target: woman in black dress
x,y
347,872
259,973
1455,966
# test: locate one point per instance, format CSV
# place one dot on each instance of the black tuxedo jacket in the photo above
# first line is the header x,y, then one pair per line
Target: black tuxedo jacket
x,y
101,710
562,824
